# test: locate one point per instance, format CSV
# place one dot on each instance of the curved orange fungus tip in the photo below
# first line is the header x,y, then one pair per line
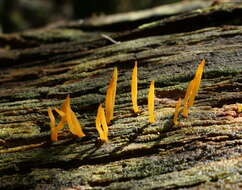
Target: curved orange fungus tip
x,y
110,96
151,101
101,124
134,88
61,113
54,131
177,110
192,89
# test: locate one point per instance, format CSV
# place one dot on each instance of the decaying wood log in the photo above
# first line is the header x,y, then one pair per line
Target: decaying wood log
x,y
39,68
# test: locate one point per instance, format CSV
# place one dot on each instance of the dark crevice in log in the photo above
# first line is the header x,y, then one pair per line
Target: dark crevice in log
x,y
185,23
130,20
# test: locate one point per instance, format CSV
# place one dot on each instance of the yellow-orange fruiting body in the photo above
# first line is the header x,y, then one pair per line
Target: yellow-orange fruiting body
x,y
62,121
177,110
74,125
110,96
104,123
197,81
134,88
62,113
69,117
72,120
101,124
239,108
54,132
192,89
187,97
151,101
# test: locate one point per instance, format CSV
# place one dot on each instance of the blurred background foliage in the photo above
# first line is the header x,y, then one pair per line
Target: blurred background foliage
x,y
18,15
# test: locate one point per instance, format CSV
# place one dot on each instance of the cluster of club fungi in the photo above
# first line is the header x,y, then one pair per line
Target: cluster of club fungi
x,y
104,117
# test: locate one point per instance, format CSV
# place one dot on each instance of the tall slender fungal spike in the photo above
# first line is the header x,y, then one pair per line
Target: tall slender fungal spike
x,y
134,88
198,77
54,132
192,89
177,110
101,124
151,102
110,96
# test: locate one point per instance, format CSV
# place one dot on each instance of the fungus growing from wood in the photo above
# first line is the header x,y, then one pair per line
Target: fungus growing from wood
x,y
134,88
110,96
177,110
67,116
197,81
72,121
151,101
192,89
101,124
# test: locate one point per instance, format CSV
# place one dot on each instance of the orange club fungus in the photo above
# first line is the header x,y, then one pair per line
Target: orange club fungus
x,y
151,101
110,96
192,89
134,88
101,124
67,116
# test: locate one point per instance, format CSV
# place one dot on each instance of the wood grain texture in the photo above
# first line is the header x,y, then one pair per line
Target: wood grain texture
x,y
202,152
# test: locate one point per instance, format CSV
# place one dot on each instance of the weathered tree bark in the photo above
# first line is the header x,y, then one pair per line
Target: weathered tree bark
x,y
39,68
